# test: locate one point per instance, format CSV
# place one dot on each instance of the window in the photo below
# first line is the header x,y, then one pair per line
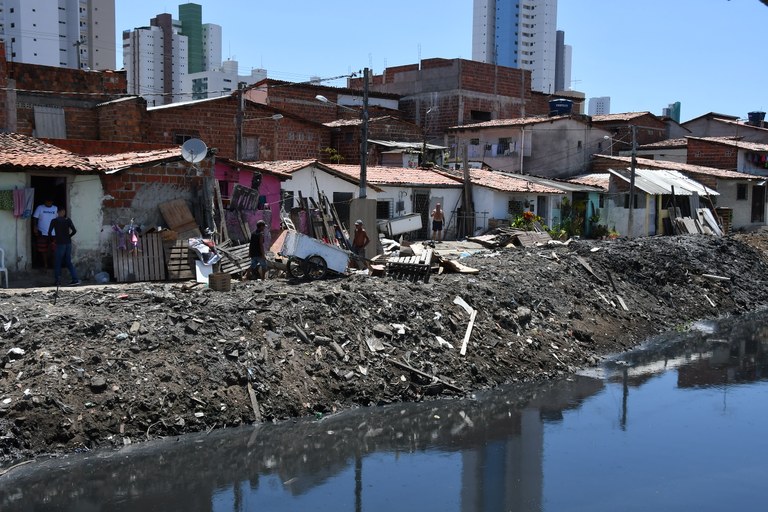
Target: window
x,y
741,191
479,116
181,138
503,147
250,148
626,202
384,208
474,142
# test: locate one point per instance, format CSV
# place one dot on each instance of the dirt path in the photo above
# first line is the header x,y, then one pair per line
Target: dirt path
x,y
109,366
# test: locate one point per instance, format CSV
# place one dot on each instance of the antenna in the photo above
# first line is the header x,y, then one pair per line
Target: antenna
x,y
194,151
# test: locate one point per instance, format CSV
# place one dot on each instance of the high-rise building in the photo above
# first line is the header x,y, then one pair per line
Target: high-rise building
x,y
62,33
155,60
518,34
180,60
599,106
672,111
562,63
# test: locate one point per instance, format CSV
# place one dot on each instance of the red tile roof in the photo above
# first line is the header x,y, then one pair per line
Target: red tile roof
x,y
120,161
523,121
280,167
597,179
22,151
507,183
621,116
397,176
649,163
740,144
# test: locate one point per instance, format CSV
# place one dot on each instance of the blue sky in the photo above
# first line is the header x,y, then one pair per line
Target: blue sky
x,y
707,54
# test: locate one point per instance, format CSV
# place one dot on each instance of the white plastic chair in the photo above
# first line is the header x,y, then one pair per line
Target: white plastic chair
x,y
3,269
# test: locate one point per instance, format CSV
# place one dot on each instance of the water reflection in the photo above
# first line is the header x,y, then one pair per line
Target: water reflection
x,y
487,453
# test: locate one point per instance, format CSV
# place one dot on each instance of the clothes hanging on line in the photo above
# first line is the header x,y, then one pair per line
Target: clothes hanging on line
x,y
23,202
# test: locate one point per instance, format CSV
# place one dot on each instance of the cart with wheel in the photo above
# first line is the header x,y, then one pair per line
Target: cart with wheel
x,y
310,258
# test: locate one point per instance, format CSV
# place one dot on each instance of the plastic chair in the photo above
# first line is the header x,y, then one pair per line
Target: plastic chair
x,y
3,269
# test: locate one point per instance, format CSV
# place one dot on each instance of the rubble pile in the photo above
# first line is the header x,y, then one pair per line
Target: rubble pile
x,y
113,365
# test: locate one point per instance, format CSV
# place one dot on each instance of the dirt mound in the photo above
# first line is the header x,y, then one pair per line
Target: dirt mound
x,y
108,366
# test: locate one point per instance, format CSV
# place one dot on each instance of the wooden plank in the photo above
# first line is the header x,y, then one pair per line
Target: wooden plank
x,y
468,333
179,218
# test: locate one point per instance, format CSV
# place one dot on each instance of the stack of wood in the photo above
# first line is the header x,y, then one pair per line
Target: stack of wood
x,y
506,237
704,223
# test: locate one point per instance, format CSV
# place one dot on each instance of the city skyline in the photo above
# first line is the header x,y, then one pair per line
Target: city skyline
x,y
643,56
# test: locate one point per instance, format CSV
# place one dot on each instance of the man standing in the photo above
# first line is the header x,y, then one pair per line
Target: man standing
x,y
42,218
438,217
360,241
256,251
62,230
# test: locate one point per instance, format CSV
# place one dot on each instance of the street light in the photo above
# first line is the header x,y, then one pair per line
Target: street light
x,y
274,117
364,135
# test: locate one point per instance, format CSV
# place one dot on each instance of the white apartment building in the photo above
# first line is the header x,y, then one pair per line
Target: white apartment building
x,y
61,33
155,61
599,106
518,34
220,81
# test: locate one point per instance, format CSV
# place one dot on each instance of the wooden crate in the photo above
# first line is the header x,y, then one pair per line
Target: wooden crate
x,y
178,260
411,268
145,263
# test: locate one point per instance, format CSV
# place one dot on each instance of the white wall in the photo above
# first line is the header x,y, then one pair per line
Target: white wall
x,y
85,194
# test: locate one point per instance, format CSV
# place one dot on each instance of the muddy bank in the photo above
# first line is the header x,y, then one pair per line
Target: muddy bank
x,y
109,366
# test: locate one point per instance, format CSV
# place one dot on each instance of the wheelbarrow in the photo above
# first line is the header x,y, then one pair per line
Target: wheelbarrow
x,y
310,258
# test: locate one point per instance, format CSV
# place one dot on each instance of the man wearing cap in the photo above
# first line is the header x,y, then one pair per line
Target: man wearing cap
x,y
360,240
256,251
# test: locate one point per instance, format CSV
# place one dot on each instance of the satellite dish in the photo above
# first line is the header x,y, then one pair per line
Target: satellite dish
x,y
194,150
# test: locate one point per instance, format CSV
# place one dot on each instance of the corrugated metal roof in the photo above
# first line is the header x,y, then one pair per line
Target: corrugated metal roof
x,y
660,182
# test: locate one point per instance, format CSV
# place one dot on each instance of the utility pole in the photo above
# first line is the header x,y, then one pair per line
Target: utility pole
x,y
633,165
364,142
239,122
469,214
77,44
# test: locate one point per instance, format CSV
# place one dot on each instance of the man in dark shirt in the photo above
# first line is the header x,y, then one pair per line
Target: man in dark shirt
x,y
64,231
256,251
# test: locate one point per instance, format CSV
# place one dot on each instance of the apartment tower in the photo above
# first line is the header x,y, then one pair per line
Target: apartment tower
x,y
518,34
61,33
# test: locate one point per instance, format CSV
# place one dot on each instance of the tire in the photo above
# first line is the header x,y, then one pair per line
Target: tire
x,y
316,267
296,268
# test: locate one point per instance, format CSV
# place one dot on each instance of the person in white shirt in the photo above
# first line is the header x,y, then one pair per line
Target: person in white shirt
x,y
41,221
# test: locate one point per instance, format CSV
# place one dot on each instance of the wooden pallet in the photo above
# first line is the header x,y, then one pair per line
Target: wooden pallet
x,y
144,263
234,260
178,260
411,268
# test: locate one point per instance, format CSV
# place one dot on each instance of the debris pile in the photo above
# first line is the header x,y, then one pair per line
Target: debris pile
x,y
113,365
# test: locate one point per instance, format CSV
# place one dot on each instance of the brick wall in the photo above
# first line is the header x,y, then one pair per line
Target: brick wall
x,y
712,154
4,92
122,120
88,85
